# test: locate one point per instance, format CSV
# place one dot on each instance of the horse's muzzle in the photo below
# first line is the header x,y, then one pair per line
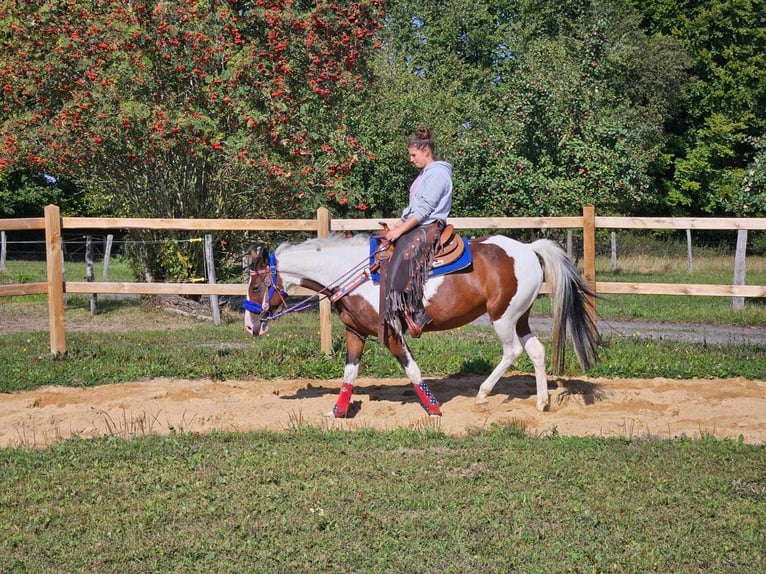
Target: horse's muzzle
x,y
257,325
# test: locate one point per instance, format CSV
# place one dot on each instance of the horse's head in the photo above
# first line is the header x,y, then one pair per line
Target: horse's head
x,y
264,291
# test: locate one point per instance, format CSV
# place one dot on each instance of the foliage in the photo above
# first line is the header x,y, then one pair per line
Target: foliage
x,y
539,109
713,136
190,109
256,108
22,194
751,199
401,501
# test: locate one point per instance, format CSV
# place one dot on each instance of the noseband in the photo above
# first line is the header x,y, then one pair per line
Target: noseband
x,y
273,288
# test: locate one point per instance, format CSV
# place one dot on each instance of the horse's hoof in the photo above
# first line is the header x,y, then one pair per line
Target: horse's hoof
x,y
334,415
481,399
544,407
482,407
434,412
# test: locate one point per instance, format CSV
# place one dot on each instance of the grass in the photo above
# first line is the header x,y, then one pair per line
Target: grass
x,y
35,272
140,344
712,269
312,500
291,349
403,501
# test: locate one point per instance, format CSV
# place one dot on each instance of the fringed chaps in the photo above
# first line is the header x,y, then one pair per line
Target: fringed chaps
x,y
407,271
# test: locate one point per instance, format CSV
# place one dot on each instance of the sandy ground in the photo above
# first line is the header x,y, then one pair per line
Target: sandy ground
x,y
660,408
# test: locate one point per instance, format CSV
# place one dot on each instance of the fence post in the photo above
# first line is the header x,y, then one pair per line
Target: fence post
x,y
89,273
107,256
2,250
589,253
55,272
739,267
215,310
689,264
325,309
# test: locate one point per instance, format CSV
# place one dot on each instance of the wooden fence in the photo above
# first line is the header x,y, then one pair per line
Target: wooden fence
x,y
323,225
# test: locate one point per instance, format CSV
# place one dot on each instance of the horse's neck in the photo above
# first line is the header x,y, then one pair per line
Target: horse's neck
x,y
326,267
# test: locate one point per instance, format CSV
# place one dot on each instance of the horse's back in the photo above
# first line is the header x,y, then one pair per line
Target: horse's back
x,y
503,253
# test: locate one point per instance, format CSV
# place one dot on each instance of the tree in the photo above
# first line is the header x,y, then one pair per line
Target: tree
x,y
437,63
185,109
22,194
540,106
751,199
712,134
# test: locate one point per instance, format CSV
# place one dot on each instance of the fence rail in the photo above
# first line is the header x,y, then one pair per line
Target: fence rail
x,y
323,225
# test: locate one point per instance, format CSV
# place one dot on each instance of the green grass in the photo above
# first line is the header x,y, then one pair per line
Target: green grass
x,y
140,345
708,270
35,272
291,349
673,309
403,501
712,269
310,500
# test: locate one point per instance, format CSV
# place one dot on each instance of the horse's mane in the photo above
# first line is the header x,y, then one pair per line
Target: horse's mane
x,y
336,239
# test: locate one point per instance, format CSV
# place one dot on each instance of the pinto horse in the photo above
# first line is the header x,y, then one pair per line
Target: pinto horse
x,y
504,280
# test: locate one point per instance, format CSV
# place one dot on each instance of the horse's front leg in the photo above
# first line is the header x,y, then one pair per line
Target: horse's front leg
x,y
354,348
402,353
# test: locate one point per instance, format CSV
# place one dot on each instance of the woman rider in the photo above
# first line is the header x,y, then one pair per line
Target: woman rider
x,y
416,235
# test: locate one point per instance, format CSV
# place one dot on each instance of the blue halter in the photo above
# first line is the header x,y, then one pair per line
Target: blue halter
x,y
254,307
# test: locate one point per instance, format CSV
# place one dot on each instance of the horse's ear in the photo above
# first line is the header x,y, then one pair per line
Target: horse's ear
x,y
258,253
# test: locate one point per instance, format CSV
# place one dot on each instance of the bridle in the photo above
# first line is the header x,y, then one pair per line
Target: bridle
x,y
268,278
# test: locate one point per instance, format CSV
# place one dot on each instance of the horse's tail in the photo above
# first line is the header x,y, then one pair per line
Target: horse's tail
x,y
571,301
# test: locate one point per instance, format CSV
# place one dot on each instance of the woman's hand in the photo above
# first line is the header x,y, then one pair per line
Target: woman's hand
x,y
394,232
400,228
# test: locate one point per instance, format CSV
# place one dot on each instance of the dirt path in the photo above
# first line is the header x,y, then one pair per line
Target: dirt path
x,y
583,406
661,408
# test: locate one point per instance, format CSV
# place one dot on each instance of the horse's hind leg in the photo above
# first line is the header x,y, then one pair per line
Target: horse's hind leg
x,y
512,348
354,348
516,337
536,353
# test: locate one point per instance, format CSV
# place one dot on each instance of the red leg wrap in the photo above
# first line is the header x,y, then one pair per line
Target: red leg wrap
x,y
344,398
428,399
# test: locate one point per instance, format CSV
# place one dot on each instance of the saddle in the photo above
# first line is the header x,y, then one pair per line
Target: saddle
x,y
448,250
453,254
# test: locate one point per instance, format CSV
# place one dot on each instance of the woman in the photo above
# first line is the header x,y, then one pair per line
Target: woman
x,y
416,236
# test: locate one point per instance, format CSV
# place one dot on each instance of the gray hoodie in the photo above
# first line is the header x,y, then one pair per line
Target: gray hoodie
x,y
431,194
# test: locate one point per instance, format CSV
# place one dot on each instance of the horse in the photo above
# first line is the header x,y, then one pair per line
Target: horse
x,y
503,281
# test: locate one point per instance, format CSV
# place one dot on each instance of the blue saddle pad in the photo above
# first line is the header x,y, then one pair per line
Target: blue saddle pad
x,y
459,264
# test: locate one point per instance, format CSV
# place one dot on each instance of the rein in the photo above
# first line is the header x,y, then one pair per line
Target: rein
x,y
308,302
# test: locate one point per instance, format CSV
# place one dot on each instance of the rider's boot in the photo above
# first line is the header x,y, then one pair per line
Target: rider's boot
x,y
416,322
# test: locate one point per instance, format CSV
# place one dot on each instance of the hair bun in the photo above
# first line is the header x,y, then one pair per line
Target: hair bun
x,y
422,133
